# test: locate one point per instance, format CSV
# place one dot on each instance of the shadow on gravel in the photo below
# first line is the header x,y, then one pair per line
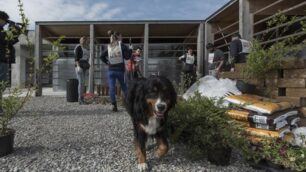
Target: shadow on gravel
x,y
85,112
26,150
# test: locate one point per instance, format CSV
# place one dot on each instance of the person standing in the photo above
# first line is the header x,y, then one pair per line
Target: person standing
x,y
239,49
114,57
133,66
189,66
215,60
81,65
7,50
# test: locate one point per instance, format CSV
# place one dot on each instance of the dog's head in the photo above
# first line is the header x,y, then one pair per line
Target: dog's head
x,y
160,96
154,96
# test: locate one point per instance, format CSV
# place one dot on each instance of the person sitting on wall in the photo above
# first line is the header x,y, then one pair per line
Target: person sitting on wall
x,y
189,68
114,57
239,49
215,60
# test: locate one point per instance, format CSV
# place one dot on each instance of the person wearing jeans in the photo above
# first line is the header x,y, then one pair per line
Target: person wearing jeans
x,y
113,76
81,54
114,57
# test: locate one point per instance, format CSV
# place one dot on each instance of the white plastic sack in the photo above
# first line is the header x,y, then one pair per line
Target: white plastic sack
x,y
300,136
211,87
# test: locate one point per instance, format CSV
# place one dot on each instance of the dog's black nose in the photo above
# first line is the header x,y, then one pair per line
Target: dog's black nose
x,y
161,107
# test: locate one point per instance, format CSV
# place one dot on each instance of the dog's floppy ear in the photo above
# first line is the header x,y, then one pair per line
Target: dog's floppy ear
x,y
140,103
131,97
135,102
172,92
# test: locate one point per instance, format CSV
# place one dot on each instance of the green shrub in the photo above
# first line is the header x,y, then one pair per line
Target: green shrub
x,y
10,105
281,153
266,58
202,125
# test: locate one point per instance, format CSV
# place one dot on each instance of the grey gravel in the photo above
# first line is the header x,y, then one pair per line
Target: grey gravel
x,y
54,135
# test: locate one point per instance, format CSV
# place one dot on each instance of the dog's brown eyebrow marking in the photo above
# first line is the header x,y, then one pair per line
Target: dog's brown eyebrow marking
x,y
152,102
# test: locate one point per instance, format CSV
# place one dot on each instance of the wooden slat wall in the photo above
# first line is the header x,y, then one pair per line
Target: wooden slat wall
x,y
287,84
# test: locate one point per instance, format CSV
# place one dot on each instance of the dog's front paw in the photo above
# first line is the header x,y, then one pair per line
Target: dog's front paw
x,y
142,167
161,151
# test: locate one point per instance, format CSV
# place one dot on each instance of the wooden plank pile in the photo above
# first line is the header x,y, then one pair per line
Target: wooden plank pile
x,y
286,84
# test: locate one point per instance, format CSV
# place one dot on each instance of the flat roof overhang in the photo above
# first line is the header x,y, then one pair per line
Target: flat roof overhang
x,y
76,29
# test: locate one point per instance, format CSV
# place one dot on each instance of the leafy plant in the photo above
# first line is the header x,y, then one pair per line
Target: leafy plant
x,y
10,105
53,55
281,153
261,60
201,123
14,101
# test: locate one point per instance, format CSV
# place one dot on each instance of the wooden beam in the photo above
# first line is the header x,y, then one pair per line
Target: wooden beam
x,y
91,59
146,50
295,73
227,27
225,36
268,6
278,26
209,38
283,12
200,50
291,83
38,60
245,20
296,92
284,37
294,63
296,101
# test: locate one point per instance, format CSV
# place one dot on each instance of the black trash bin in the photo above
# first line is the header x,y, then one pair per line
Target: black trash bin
x,y
72,90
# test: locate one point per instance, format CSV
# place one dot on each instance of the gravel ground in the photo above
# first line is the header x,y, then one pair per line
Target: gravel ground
x,y
53,135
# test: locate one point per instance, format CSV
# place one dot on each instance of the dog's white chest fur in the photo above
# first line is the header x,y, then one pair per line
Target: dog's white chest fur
x,y
152,126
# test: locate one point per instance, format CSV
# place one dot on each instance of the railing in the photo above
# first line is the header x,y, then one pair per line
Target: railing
x,y
275,33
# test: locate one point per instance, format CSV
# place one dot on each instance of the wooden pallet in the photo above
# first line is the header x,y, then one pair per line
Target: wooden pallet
x,y
285,84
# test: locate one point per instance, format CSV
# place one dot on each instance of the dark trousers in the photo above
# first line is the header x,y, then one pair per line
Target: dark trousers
x,y
188,79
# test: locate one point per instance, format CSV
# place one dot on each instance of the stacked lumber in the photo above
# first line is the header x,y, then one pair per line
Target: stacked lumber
x,y
286,84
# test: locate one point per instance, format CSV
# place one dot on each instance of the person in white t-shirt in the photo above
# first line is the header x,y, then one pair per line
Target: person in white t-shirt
x,y
189,61
114,57
215,60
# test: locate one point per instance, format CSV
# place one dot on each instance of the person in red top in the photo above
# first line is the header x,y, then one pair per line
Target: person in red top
x,y
133,66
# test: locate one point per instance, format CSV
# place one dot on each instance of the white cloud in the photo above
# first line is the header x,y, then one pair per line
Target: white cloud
x,y
96,9
111,13
59,10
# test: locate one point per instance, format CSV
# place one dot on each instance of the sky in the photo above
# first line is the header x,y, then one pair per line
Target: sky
x,y
100,10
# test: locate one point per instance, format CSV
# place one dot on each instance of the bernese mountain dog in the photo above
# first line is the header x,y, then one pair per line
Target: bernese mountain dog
x,y
148,103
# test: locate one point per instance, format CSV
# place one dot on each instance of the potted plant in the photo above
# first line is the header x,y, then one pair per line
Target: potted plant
x,y
202,125
10,106
14,100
